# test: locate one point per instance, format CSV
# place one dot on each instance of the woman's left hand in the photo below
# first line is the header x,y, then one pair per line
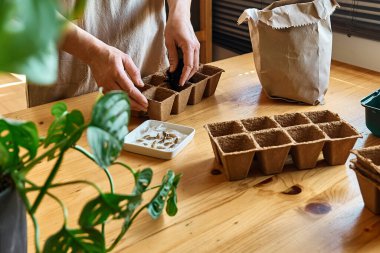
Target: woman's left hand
x,y
180,33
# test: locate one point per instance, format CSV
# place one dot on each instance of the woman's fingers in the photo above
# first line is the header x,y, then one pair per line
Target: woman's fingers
x,y
132,70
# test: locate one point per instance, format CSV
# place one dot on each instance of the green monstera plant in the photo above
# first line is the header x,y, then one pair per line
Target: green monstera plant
x,y
21,149
29,34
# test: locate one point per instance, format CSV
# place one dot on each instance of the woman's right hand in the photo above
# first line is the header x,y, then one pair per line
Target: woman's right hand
x,y
115,70
112,68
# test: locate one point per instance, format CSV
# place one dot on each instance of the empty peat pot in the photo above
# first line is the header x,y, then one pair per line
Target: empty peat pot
x,y
372,112
342,138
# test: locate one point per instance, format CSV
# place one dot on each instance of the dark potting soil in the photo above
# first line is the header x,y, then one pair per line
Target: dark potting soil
x,y
173,77
5,182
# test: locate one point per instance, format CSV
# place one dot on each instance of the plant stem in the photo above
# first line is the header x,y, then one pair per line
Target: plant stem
x,y
84,152
125,166
35,188
47,183
110,180
125,228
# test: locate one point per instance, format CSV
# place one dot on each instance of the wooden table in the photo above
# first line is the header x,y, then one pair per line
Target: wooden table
x,y
251,215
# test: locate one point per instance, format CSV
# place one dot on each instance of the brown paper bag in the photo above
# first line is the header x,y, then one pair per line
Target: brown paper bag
x,y
292,41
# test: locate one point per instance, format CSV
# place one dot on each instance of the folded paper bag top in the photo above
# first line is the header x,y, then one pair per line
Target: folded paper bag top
x,y
292,43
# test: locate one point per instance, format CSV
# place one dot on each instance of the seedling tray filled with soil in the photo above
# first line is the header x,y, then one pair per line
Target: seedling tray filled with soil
x,y
300,134
201,85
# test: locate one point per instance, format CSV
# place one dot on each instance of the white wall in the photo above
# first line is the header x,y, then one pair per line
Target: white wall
x,y
356,51
352,50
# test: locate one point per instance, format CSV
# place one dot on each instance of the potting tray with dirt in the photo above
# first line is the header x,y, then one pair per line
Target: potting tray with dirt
x,y
165,99
265,142
367,169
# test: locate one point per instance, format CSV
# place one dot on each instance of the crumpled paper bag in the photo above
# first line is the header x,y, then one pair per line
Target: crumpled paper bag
x,y
292,42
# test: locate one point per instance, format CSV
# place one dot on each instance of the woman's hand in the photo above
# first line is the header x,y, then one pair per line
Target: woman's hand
x,y
180,33
115,70
112,69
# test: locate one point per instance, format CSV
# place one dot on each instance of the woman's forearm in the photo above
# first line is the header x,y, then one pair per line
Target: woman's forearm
x,y
179,8
81,44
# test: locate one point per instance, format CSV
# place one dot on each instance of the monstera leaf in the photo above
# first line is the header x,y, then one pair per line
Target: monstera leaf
x,y
29,32
76,240
67,126
100,209
13,136
143,179
171,204
168,185
108,127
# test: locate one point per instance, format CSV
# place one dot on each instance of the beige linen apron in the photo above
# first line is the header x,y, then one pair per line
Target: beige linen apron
x,y
136,27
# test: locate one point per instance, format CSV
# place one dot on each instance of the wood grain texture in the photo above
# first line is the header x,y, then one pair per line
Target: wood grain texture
x,y
12,94
258,214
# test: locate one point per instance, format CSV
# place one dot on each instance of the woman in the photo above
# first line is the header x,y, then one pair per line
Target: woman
x,y
118,41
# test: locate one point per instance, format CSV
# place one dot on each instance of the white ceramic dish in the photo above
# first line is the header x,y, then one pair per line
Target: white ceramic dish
x,y
131,145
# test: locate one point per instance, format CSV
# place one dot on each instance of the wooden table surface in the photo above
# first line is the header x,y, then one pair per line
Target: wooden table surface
x,y
251,215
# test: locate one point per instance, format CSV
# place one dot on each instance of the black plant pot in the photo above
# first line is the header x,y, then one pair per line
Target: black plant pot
x,y
13,238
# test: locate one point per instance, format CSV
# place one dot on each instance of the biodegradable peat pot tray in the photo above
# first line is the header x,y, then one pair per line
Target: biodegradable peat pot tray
x,y
369,158
202,84
342,138
291,119
369,184
181,98
309,141
259,123
214,74
160,102
199,82
222,129
236,153
303,135
322,116
274,148
155,79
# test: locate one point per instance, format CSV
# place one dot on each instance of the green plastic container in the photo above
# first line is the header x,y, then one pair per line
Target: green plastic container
x,y
372,112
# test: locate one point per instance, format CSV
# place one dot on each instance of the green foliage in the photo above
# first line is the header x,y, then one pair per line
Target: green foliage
x,y
105,132
76,240
15,135
66,126
108,127
29,32
100,209
168,186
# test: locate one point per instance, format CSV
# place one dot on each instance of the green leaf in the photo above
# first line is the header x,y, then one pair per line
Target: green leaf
x,y
58,109
143,179
75,240
157,204
100,209
29,32
66,126
108,127
13,136
171,204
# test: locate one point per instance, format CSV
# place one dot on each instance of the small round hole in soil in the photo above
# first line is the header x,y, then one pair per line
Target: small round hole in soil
x,y
294,190
215,172
318,208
